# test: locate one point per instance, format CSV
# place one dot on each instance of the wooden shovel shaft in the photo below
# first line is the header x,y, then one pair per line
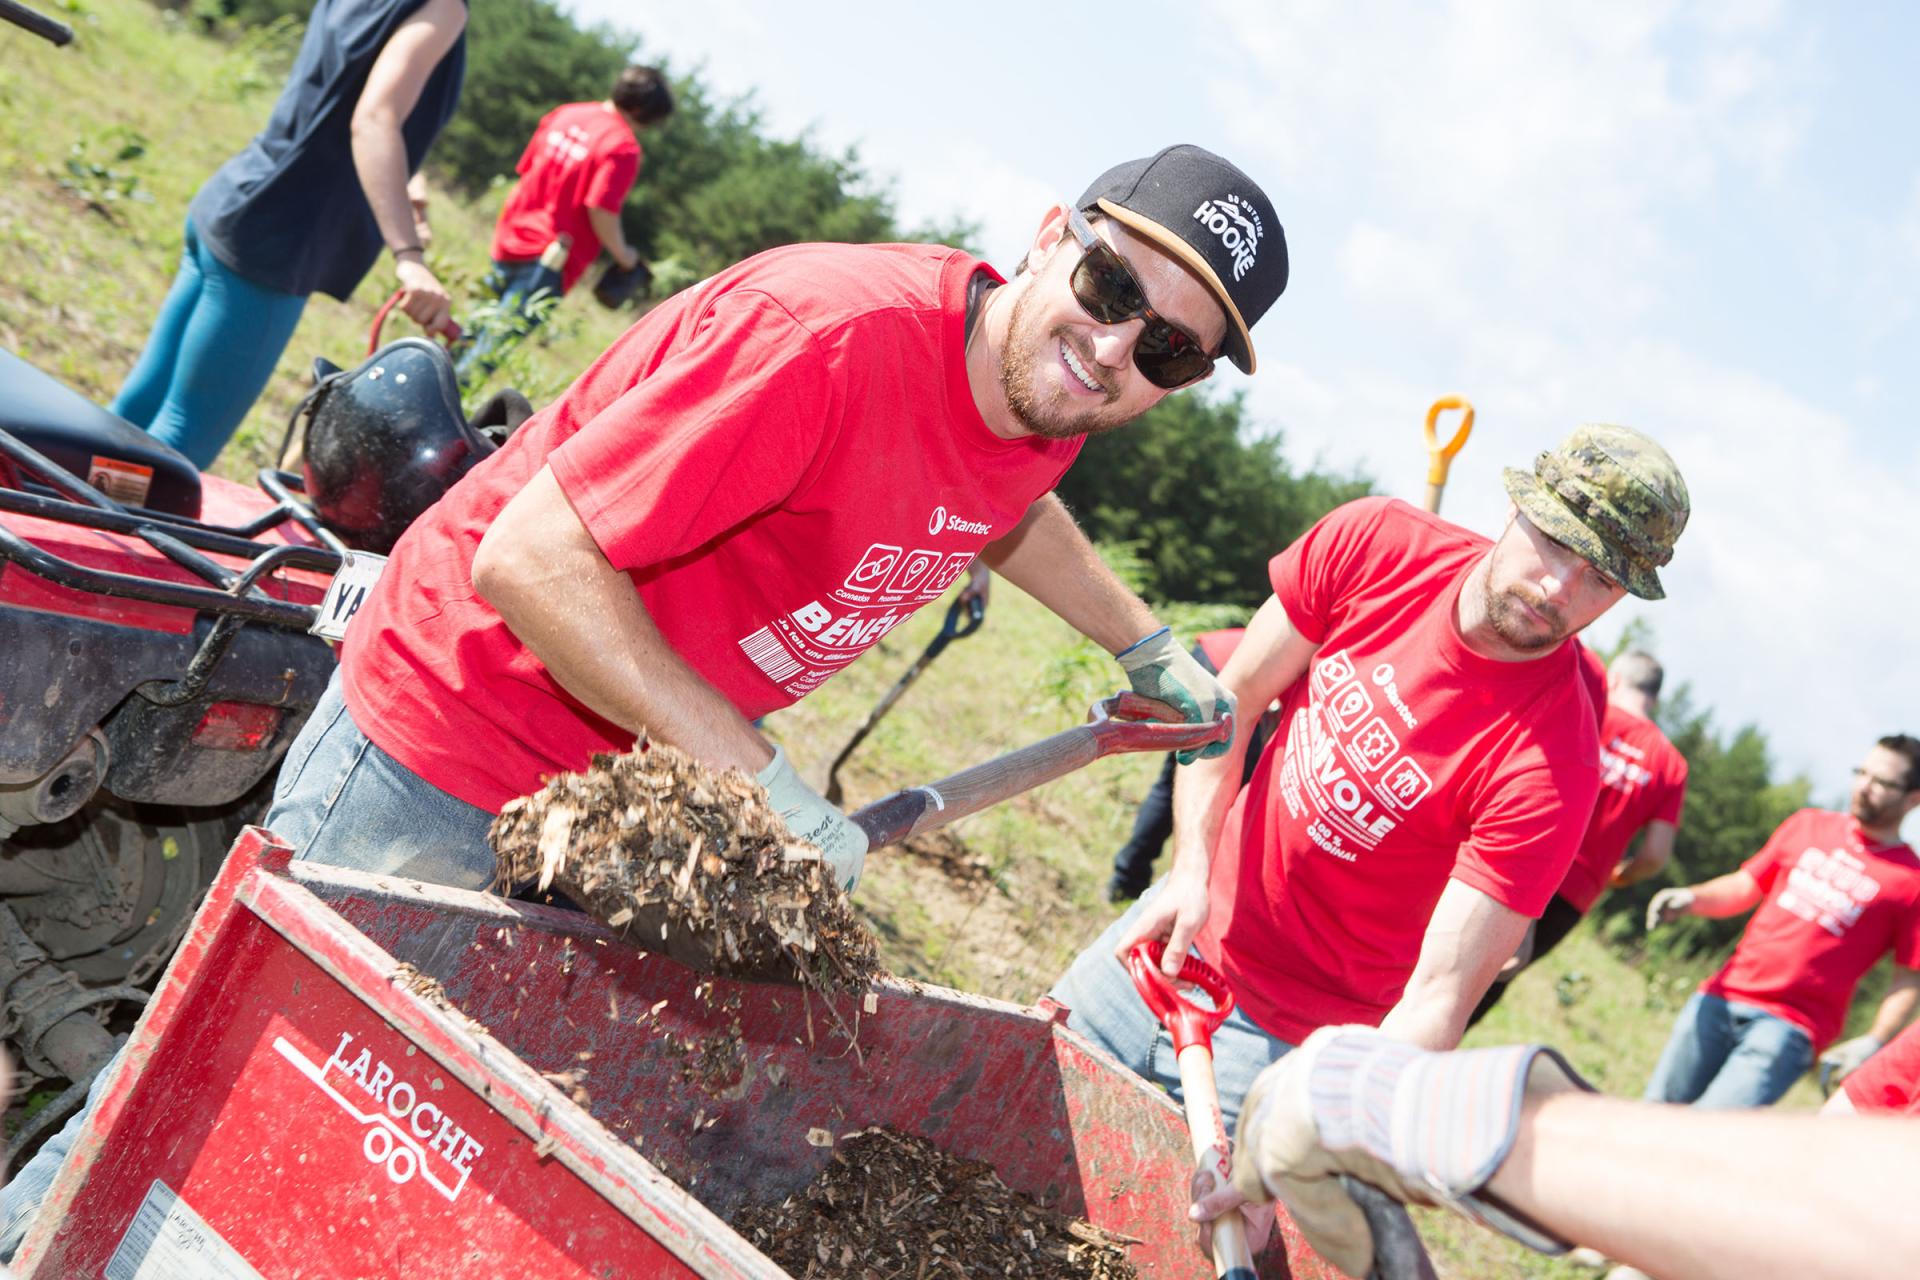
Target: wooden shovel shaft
x,y
1232,1254
908,813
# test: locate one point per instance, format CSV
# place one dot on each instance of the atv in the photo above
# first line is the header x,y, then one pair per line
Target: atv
x,y
163,637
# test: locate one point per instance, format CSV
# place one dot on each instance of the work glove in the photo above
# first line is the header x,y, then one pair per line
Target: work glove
x,y
810,818
1157,667
1667,906
1843,1059
1424,1127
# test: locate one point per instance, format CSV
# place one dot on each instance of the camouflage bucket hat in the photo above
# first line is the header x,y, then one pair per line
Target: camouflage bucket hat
x,y
1612,495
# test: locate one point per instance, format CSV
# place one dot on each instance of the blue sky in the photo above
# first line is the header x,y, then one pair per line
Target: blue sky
x,y
1699,219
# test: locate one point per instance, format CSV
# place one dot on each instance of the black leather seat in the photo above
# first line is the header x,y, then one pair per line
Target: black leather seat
x,y
100,447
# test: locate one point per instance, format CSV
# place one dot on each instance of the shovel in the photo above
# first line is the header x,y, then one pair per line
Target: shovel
x,y
1440,455
1124,722
1397,1251
954,628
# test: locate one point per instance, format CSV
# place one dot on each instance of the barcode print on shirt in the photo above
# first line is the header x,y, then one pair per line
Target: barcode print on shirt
x,y
770,655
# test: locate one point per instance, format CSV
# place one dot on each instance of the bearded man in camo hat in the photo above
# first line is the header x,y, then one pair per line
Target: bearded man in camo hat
x,y
1431,778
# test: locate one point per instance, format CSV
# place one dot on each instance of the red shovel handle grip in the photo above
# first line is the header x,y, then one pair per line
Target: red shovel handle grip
x,y
448,335
1189,1023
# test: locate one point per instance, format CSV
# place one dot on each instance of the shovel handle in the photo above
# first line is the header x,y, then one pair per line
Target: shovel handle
x,y
1116,724
1232,1251
449,335
1440,453
1190,1023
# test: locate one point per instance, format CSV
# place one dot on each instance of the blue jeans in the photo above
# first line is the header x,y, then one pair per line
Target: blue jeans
x,y
341,800
517,285
1725,1055
209,356
1104,1007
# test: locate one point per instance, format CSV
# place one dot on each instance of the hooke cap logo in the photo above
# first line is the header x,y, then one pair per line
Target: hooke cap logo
x,y
1238,227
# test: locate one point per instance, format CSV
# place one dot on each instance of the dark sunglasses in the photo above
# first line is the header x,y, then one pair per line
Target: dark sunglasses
x,y
1165,354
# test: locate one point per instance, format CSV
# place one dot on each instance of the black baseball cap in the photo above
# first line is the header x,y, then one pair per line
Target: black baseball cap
x,y
1214,219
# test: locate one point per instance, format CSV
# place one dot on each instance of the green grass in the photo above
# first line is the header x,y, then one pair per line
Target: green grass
x,y
79,288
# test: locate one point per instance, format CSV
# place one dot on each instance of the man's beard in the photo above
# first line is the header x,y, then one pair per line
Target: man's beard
x,y
1512,625
1870,813
1019,364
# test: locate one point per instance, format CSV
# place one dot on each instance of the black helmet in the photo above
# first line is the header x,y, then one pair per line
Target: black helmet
x,y
384,441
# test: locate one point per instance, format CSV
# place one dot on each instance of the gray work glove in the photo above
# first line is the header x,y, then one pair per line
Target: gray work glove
x,y
1157,667
1667,906
1841,1061
1424,1127
812,819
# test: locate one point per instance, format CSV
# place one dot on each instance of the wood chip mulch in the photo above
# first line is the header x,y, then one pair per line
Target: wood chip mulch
x,y
689,862
891,1206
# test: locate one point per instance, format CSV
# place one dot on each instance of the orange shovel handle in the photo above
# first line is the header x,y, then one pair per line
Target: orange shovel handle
x,y
1440,455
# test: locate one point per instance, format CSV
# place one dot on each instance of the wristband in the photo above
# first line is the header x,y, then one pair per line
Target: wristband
x,y
407,248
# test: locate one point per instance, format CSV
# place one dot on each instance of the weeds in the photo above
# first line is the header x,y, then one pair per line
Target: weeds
x,y
96,181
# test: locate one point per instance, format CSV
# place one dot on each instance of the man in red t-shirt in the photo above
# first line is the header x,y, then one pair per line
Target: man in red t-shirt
x,y
1436,762
575,173
754,484
1835,892
1643,784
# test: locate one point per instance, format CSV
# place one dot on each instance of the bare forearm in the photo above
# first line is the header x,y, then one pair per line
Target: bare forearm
x,y
607,229
1051,560
1468,938
1429,1018
1651,853
602,645
380,163
1895,1009
1724,896
1695,1194
1203,794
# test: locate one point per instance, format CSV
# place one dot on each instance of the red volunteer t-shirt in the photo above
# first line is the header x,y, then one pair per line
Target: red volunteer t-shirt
x,y
1403,758
1642,779
787,462
1834,905
1219,645
583,156
1890,1079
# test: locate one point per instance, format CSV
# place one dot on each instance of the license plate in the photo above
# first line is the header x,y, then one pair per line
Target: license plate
x,y
346,593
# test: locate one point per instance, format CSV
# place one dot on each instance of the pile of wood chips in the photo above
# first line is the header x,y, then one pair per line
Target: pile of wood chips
x,y
689,862
891,1206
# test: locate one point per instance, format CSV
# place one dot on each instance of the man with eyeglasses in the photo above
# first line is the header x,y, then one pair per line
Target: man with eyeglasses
x,y
1835,892
1436,759
754,484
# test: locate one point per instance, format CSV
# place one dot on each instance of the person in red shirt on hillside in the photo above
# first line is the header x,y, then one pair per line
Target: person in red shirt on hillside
x,y
755,483
1643,784
1835,892
1435,764
575,173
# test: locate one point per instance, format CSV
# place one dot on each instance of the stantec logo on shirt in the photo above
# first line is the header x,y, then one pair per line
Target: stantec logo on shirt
x,y
941,519
1238,227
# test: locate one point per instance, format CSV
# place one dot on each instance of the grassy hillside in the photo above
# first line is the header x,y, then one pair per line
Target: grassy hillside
x,y
104,142
1001,902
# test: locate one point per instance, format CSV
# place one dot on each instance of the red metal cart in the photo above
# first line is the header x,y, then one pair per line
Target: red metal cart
x,y
346,1075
